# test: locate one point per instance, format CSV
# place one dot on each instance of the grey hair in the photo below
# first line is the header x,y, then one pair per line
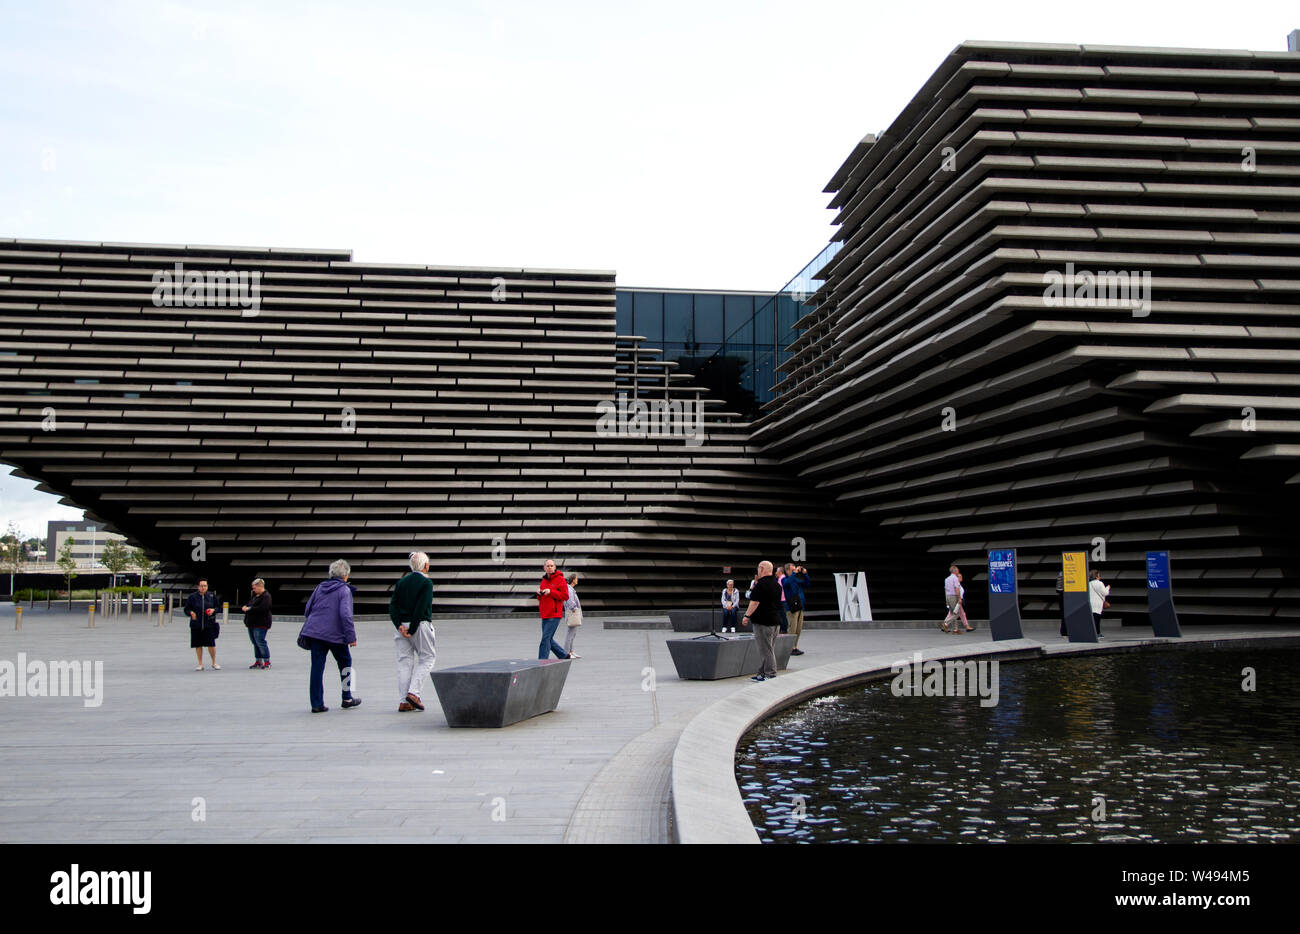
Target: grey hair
x,y
418,560
340,569
258,580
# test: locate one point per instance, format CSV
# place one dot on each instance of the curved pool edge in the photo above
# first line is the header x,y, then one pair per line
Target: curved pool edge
x,y
706,801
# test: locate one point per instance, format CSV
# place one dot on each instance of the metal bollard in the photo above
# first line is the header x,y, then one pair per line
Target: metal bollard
x,y
225,613
161,620
92,615
18,618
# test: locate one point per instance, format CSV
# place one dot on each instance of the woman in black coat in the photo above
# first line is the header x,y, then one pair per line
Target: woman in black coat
x,y
257,617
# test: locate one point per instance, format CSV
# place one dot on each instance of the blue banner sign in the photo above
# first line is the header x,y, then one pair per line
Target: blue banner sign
x,y
1002,571
1157,570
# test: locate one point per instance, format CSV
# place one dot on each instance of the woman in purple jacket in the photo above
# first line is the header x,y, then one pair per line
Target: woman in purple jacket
x,y
329,630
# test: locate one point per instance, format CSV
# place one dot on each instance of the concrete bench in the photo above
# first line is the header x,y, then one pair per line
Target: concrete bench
x,y
501,692
696,620
730,656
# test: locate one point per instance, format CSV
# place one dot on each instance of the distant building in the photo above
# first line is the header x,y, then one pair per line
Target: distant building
x,y
89,538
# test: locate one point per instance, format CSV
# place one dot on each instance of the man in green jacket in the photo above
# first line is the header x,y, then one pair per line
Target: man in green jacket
x,y
411,610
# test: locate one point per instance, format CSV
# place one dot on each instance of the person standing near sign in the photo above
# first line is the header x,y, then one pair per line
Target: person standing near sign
x,y
1097,594
1060,597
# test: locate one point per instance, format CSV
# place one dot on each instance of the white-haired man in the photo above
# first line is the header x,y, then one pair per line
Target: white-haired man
x,y
765,613
411,610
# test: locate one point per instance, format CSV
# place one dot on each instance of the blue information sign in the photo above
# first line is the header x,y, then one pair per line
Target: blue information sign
x,y
1002,571
1157,570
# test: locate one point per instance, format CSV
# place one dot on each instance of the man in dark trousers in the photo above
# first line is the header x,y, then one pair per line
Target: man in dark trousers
x,y
201,608
765,613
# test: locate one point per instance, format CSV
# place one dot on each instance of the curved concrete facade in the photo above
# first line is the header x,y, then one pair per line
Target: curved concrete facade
x,y
1066,316
363,411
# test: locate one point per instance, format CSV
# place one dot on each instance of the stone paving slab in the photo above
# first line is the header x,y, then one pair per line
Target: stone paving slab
x,y
175,755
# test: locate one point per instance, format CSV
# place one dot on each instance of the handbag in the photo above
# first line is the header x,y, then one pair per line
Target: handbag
x,y
303,641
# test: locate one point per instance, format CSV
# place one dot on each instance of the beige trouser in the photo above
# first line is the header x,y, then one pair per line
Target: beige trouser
x,y
795,617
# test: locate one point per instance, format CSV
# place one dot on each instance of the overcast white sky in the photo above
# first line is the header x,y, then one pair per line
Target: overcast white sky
x,y
681,144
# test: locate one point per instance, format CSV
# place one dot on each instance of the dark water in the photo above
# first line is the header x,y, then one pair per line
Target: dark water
x,y
1143,746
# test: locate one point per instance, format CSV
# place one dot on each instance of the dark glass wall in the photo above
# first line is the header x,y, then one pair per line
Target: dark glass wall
x,y
730,342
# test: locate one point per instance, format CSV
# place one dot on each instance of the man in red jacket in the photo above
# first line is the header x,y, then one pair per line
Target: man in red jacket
x,y
551,594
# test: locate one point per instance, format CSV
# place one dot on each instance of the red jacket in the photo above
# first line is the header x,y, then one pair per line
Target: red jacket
x,y
551,605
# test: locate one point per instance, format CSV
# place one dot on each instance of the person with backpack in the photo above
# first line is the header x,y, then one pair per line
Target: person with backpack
x,y
411,611
795,584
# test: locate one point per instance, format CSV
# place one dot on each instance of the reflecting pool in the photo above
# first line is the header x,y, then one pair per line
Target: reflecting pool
x,y
1167,746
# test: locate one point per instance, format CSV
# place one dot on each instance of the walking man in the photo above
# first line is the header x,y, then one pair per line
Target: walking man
x,y
764,612
953,593
551,594
411,610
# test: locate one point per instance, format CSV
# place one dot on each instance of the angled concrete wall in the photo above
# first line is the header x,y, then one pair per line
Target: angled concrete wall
x,y
1171,423
363,410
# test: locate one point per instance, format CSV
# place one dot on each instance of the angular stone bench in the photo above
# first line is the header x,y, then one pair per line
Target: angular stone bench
x,y
696,620
501,692
712,659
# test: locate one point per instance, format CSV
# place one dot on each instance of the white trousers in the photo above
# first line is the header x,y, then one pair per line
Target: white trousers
x,y
415,659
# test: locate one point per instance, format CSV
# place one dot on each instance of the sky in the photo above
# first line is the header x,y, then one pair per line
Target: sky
x,y
680,144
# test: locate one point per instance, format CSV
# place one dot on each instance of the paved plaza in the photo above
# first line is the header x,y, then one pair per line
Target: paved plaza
x,y
175,755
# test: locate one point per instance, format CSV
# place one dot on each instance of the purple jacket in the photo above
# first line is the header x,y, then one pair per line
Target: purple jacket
x,y
329,613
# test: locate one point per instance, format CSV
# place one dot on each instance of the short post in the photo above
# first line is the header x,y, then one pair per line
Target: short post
x,y
169,604
18,618
130,604
225,613
161,620
91,608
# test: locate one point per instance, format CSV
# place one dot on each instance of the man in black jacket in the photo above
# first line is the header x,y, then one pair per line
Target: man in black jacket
x,y
201,608
765,613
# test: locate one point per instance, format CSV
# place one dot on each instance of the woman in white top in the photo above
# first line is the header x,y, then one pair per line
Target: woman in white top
x,y
572,616
1097,594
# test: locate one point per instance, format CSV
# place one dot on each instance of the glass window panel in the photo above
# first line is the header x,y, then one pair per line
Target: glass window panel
x,y
648,318
677,319
739,319
708,318
623,313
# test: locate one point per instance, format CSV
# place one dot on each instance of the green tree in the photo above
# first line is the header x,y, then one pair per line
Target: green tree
x,y
68,565
142,563
116,557
11,554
